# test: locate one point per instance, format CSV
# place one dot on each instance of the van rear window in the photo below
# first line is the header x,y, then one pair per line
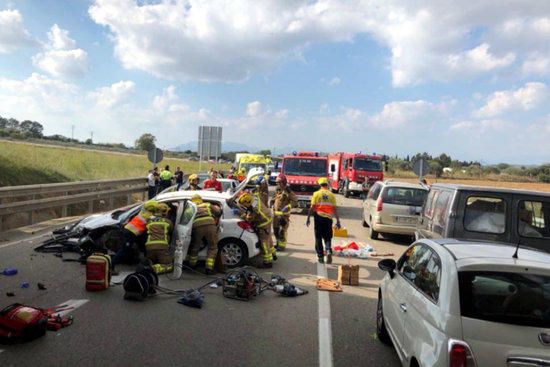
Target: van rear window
x,y
509,298
404,196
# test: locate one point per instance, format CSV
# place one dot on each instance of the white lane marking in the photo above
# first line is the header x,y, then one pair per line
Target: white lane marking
x,y
71,305
325,327
19,241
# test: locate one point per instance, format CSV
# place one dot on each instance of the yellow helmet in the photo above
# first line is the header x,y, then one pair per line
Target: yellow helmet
x,y
194,176
162,209
245,199
196,199
322,181
150,205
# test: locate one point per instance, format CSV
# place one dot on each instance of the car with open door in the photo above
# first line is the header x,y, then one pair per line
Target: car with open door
x,y
455,303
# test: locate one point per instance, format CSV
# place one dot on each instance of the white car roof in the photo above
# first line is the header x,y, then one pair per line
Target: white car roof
x,y
182,195
467,253
408,185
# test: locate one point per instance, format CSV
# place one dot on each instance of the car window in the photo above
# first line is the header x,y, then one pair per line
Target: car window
x,y
188,212
430,203
533,219
485,214
422,267
440,210
374,192
511,298
404,196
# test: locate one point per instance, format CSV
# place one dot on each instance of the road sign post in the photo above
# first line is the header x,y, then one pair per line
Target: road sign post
x,y
155,156
210,143
421,168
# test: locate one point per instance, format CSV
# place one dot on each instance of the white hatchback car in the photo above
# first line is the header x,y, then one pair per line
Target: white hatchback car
x,y
455,303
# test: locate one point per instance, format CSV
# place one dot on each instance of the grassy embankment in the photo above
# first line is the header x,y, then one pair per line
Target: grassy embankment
x,y
25,164
535,186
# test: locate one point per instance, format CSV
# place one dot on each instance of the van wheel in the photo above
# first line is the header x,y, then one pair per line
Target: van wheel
x,y
234,252
365,224
381,330
373,234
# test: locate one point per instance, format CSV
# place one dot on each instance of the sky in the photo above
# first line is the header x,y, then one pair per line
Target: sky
x,y
468,78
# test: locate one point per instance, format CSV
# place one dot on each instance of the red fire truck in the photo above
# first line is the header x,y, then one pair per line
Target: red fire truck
x,y
354,172
302,170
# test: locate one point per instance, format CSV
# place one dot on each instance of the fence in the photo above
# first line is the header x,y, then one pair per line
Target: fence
x,y
32,198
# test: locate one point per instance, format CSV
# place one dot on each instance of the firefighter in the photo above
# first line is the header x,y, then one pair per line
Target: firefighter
x,y
241,175
205,228
159,230
261,217
134,233
323,208
283,201
193,183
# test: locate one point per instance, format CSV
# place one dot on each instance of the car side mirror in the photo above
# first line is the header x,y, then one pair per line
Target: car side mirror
x,y
388,265
332,168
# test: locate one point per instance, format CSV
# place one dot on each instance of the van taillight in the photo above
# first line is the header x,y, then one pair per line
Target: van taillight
x,y
460,354
245,225
379,204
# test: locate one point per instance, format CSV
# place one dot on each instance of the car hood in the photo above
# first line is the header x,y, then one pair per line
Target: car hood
x,y
97,220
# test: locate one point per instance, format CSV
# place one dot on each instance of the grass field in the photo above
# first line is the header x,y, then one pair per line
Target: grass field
x,y
536,186
25,164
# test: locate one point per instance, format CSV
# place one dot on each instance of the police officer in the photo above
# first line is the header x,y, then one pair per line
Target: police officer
x,y
159,230
205,228
283,201
193,183
165,178
323,208
261,217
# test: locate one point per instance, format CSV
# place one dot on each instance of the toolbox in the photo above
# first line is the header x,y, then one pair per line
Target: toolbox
x,y
339,232
348,274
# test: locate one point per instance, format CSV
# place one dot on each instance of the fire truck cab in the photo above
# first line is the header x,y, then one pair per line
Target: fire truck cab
x,y
302,170
354,173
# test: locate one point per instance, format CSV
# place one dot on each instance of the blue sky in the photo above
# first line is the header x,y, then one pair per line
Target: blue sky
x,y
392,76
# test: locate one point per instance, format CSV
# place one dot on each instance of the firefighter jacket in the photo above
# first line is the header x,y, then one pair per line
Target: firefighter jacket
x,y
159,231
324,202
284,200
260,216
207,214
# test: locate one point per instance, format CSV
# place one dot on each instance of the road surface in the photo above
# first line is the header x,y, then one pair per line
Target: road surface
x,y
317,329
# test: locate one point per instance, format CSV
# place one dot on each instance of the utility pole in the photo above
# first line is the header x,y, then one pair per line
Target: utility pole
x,y
92,136
72,132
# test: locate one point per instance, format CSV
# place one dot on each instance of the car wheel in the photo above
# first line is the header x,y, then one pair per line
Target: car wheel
x,y
234,252
373,234
381,330
365,224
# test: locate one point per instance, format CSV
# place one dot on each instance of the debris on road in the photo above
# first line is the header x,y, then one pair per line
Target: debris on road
x,y
41,286
380,254
353,249
324,284
9,271
24,285
339,232
10,294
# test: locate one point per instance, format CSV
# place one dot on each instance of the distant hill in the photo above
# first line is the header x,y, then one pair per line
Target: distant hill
x,y
227,146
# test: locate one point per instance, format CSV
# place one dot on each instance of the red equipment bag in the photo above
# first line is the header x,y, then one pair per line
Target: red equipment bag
x,y
98,272
20,323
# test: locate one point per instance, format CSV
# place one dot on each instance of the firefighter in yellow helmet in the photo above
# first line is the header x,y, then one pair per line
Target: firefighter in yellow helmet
x,y
261,217
205,228
159,231
283,201
193,183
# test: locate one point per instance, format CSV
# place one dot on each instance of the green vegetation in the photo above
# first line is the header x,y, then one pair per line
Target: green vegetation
x,y
25,164
445,167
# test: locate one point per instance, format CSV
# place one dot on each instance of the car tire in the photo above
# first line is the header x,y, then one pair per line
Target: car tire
x,y
373,234
365,224
381,330
234,252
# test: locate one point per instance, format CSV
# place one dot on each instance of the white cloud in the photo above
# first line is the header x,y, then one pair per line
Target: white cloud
x,y
334,81
462,125
13,34
254,109
282,114
113,95
525,98
401,113
228,41
536,64
62,59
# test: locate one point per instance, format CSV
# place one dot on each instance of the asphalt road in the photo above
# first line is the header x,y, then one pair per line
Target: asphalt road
x,y
270,330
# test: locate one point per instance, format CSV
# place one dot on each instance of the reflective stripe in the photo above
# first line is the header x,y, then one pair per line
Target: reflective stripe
x,y
137,225
193,260
204,213
267,219
157,241
210,263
